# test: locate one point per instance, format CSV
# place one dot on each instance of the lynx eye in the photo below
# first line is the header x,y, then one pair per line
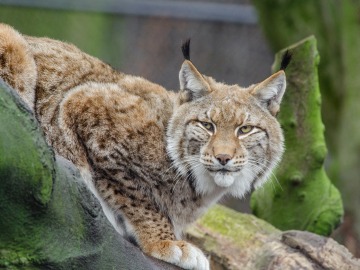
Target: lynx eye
x,y
208,126
244,130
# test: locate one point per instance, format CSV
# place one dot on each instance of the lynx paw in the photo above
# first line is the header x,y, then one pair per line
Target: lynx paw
x,y
180,253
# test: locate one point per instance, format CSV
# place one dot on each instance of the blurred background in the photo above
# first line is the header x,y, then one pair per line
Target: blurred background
x,y
232,40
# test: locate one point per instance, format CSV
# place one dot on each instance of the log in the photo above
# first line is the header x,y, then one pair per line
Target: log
x,y
242,241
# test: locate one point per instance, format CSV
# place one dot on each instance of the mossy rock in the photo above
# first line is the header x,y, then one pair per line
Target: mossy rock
x,y
49,219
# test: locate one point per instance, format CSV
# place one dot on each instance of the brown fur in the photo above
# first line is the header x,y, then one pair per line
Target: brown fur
x,y
143,151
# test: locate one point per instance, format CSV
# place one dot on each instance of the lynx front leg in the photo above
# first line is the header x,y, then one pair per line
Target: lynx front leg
x,y
156,238
180,253
151,230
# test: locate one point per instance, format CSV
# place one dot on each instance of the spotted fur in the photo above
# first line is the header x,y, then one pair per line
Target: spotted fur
x,y
155,159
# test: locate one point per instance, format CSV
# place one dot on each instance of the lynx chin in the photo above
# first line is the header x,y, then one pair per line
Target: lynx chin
x,y
155,159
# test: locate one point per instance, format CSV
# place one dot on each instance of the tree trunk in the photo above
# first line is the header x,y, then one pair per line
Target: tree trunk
x,y
336,26
301,196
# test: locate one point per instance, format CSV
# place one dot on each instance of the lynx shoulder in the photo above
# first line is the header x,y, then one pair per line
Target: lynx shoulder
x,y
155,159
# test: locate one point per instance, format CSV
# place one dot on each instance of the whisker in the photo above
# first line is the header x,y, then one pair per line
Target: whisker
x,y
274,177
190,162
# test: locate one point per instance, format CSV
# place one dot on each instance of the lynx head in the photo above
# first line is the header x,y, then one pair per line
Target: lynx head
x,y
226,136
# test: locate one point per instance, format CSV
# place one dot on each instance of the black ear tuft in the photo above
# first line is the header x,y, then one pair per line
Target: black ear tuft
x,y
285,60
185,47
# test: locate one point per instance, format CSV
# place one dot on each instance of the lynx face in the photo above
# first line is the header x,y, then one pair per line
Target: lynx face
x,y
226,136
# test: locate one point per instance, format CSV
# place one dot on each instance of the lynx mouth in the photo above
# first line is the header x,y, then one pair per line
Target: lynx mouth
x,y
225,171
220,171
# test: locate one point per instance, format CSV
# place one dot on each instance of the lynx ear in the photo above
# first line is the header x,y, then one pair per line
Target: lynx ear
x,y
192,81
271,91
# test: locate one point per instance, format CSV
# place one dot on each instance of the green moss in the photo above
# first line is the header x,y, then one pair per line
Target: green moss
x,y
34,165
236,227
27,193
307,200
24,156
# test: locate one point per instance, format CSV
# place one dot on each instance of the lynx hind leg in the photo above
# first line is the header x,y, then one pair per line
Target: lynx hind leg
x,y
17,65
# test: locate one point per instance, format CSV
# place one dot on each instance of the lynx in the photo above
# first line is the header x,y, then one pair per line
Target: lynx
x,y
155,159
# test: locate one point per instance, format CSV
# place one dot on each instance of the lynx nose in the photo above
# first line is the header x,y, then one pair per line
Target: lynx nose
x,y
223,158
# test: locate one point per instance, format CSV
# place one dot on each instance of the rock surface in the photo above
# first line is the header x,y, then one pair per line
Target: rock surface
x,y
49,219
